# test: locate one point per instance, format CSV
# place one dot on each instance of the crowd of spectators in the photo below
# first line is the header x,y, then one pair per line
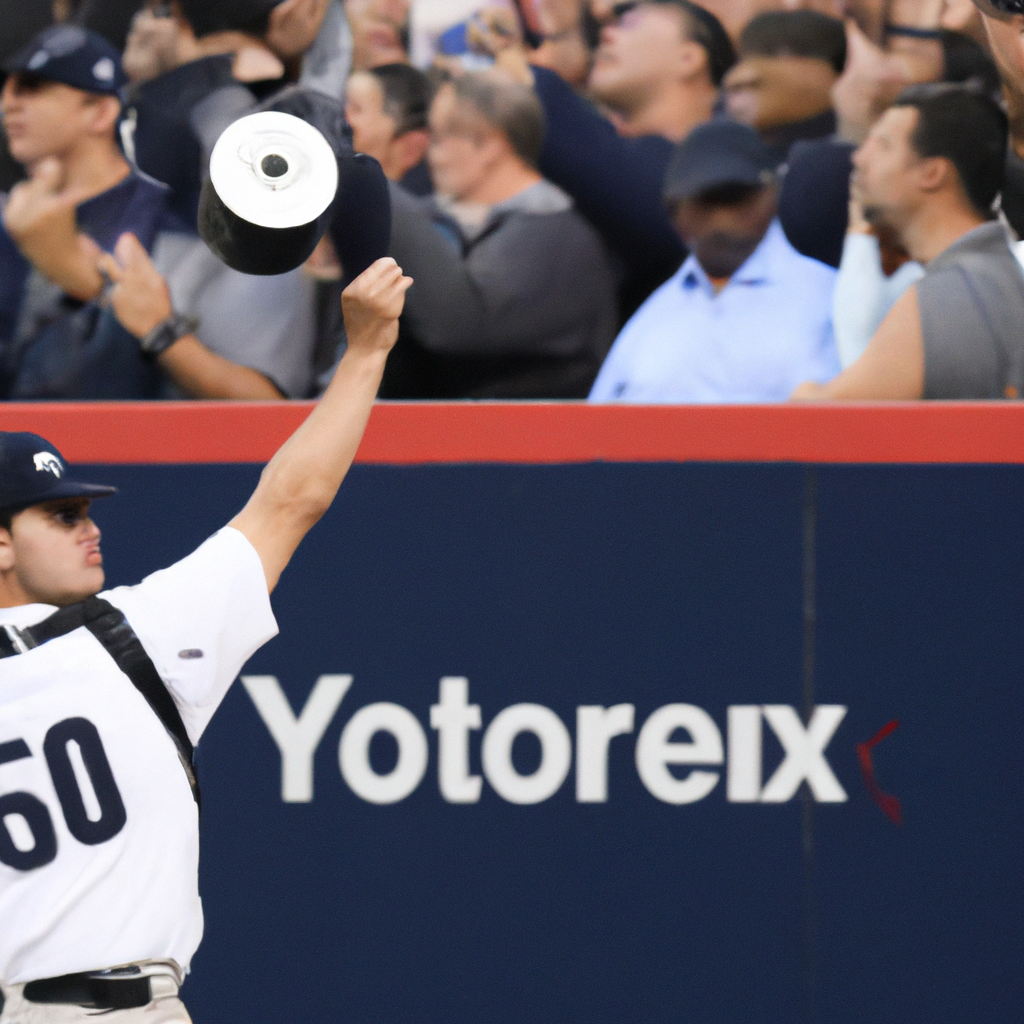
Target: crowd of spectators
x,y
656,201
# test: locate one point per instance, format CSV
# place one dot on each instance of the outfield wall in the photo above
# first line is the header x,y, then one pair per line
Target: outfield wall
x,y
589,695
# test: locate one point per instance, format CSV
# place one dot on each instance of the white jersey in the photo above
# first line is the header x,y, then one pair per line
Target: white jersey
x,y
99,837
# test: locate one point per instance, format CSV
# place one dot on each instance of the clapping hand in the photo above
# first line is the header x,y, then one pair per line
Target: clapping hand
x,y
40,216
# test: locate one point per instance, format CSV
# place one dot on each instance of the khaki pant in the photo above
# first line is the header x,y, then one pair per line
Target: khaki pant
x,y
164,1008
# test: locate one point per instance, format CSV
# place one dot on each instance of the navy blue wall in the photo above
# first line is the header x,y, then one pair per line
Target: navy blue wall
x,y
607,584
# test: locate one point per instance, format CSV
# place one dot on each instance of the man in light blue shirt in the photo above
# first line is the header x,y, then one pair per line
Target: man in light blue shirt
x,y
746,317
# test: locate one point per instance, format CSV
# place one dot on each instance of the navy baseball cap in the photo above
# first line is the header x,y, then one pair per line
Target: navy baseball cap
x,y
716,154
33,471
72,55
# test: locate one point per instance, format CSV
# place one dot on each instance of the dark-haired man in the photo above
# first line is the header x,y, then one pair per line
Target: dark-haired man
x,y
929,171
386,107
103,698
514,294
658,69
789,61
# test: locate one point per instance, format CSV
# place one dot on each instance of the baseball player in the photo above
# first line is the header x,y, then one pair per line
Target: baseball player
x,y
103,695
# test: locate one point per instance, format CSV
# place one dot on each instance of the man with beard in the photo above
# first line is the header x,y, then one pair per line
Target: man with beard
x,y
929,172
746,316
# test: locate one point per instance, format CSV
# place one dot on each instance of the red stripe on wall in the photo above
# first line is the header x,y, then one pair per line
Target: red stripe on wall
x,y
416,433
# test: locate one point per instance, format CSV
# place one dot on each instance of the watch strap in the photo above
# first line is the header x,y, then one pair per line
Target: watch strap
x,y
165,334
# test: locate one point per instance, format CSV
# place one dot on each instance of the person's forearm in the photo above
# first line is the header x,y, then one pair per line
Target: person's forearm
x,y
567,55
201,373
69,263
300,481
857,295
615,182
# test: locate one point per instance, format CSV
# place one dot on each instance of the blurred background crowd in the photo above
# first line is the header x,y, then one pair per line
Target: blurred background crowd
x,y
654,201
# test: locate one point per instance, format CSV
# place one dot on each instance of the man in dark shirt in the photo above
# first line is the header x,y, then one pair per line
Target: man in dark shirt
x,y
60,108
781,86
514,294
929,171
658,68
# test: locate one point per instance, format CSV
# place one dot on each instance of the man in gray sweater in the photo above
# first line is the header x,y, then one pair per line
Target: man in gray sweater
x,y
930,170
514,294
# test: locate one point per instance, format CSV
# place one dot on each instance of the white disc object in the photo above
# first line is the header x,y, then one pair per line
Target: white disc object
x,y
274,170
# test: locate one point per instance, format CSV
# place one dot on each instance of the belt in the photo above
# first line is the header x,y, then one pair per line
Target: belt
x,y
119,989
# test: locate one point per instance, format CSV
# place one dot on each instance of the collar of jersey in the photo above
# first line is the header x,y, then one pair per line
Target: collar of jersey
x,y
23,615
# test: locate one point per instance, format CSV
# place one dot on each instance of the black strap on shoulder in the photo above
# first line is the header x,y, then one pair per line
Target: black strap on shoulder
x,y
110,627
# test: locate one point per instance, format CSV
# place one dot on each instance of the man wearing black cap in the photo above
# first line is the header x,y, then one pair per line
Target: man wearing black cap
x,y
103,695
746,314
60,107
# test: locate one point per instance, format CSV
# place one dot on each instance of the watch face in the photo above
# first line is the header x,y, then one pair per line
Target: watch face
x,y
166,334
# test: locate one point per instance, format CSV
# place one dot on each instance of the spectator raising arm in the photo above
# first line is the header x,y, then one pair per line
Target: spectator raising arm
x,y
141,303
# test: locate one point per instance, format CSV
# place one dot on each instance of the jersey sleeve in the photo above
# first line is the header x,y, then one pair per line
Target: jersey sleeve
x,y
200,621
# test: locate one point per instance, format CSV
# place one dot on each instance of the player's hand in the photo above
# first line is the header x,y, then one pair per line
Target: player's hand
x,y
40,216
138,294
372,304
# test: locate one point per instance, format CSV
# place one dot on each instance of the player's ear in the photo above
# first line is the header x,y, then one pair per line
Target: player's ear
x,y
6,545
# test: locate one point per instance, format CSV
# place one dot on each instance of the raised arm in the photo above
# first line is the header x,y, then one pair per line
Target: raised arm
x,y
300,481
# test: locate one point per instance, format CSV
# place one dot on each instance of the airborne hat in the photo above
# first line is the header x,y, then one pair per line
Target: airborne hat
x,y
72,55
33,471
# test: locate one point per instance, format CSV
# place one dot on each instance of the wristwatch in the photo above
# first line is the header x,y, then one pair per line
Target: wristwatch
x,y
165,334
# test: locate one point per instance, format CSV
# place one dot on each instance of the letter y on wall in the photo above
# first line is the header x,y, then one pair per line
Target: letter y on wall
x,y
297,738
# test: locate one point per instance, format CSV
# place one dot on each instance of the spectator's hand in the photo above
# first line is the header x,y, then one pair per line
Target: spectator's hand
x,y
921,60
40,217
372,304
139,295
293,25
495,31
565,49
870,81
558,17
492,30
857,223
155,44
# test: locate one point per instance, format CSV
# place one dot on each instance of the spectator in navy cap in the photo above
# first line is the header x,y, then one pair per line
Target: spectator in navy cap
x,y
58,339
60,108
745,314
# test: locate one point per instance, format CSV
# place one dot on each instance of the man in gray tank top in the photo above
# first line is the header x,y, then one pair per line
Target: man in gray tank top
x,y
930,170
